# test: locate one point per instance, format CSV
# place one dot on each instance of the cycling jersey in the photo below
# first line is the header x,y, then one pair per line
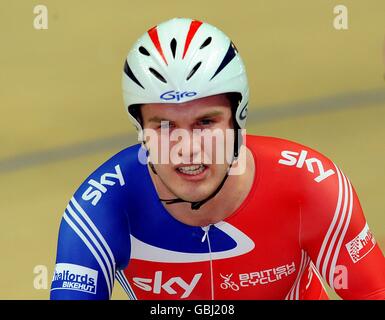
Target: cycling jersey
x,y
300,221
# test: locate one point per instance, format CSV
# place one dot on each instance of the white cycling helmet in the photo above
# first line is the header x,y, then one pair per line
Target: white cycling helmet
x,y
181,60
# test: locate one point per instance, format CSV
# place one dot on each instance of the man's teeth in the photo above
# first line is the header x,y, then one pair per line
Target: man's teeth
x,y
192,170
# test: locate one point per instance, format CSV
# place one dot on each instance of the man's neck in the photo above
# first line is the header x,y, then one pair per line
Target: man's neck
x,y
226,201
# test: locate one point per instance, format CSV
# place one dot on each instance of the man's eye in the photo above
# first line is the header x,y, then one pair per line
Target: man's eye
x,y
165,125
205,122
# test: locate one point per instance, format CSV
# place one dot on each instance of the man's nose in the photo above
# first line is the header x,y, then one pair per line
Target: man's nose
x,y
190,149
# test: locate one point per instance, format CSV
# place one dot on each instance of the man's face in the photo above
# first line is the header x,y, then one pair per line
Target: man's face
x,y
185,162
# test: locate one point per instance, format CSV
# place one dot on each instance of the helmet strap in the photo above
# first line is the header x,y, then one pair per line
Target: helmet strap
x,y
152,168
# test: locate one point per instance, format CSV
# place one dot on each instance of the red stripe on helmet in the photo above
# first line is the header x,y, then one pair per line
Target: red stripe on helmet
x,y
194,26
153,33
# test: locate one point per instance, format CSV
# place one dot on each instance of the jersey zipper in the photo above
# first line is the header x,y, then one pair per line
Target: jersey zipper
x,y
206,236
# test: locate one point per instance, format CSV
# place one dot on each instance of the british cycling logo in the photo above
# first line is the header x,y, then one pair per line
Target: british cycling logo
x,y
176,95
361,245
290,159
261,277
228,283
74,277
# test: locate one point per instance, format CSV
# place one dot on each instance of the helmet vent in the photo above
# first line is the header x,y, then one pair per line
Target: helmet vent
x,y
206,43
143,51
193,70
229,56
130,74
173,47
157,75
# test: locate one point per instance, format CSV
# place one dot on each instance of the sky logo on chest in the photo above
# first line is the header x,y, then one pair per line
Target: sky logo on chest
x,y
190,244
74,277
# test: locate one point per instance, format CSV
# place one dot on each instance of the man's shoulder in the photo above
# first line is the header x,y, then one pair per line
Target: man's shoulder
x,y
111,178
95,215
294,158
271,146
129,156
126,159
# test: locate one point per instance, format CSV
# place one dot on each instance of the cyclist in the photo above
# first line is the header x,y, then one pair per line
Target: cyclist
x,y
241,217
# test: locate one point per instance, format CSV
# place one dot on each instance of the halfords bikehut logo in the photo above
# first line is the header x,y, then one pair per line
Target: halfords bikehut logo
x,y
361,245
74,277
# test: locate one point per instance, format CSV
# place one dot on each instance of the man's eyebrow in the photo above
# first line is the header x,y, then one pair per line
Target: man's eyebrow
x,y
210,114
205,115
157,119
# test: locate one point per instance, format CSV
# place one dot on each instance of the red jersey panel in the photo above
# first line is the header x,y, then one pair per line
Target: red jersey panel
x,y
301,221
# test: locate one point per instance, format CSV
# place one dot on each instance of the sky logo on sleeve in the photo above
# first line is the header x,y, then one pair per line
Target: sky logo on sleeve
x,y
74,277
98,188
291,158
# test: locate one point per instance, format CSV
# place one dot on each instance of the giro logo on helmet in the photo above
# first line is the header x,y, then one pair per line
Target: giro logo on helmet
x,y
176,95
243,113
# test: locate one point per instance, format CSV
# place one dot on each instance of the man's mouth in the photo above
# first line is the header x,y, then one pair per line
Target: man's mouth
x,y
192,170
